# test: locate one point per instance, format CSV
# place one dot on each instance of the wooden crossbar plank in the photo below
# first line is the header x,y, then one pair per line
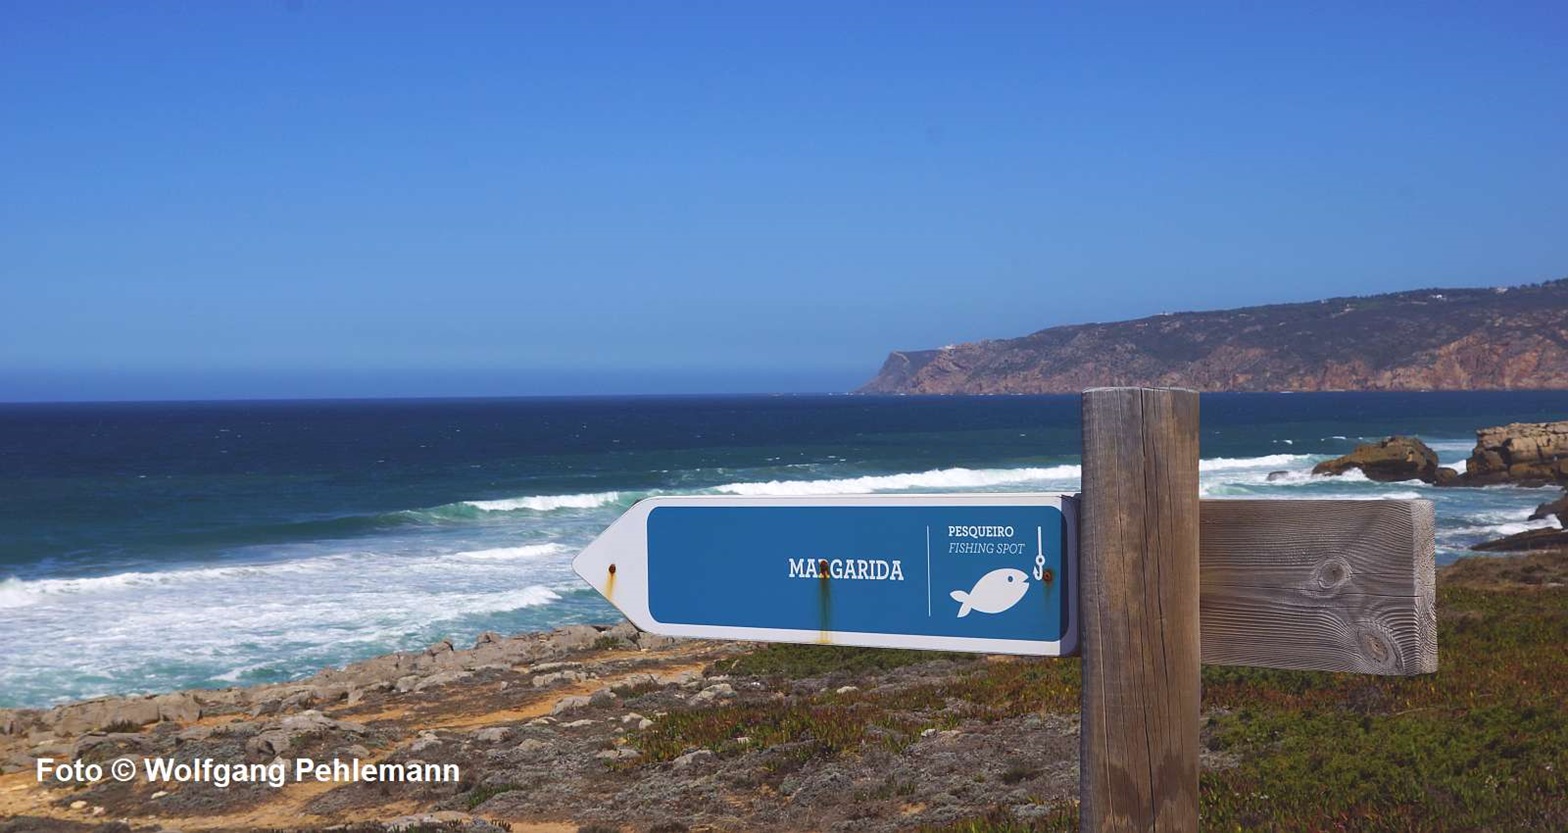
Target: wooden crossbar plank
x,y
1326,585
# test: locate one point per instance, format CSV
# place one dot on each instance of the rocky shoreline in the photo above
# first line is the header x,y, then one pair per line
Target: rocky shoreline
x,y
545,729
1526,454
594,728
605,728
543,703
397,673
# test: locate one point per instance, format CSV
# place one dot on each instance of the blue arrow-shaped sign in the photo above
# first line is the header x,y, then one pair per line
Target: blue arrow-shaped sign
x,y
992,573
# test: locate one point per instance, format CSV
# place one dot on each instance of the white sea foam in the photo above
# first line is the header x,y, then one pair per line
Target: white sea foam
x,y
1495,516
511,553
295,608
533,596
1062,477
1268,461
1452,453
545,503
18,593
14,593
233,675
952,479
1504,529
343,566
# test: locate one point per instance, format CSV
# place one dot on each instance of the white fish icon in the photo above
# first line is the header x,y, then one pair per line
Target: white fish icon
x,y
995,592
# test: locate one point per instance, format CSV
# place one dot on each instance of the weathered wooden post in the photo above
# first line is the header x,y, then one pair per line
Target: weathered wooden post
x,y
1141,654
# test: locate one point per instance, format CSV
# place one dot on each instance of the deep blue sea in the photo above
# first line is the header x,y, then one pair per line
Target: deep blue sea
x,y
154,546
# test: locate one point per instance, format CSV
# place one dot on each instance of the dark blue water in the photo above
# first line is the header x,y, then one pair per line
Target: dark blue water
x,y
269,538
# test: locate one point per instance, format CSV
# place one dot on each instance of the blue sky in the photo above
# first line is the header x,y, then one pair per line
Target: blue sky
x,y
335,198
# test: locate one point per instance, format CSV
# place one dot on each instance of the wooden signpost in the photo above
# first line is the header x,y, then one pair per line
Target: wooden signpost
x,y
1165,583
1170,582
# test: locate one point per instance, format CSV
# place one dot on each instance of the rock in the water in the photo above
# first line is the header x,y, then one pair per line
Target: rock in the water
x,y
1393,459
1532,539
1557,508
1525,453
1278,475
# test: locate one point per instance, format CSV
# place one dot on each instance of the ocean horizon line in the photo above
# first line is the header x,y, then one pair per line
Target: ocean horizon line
x,y
690,395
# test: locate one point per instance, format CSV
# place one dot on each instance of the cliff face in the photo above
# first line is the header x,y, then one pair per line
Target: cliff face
x,y
1435,339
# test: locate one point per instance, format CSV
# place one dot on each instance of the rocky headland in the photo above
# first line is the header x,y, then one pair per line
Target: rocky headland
x,y
1436,339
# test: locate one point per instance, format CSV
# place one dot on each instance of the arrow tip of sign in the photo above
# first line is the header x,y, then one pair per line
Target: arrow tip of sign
x,y
593,566
596,564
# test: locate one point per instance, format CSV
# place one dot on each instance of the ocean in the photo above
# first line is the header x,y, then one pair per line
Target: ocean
x,y
147,547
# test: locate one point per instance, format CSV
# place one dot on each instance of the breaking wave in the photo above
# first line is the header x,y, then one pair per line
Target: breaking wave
x,y
957,478
545,503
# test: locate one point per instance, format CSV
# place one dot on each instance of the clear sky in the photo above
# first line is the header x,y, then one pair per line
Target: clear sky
x,y
353,198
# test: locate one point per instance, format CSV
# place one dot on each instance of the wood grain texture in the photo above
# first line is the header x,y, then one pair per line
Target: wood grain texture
x,y
1139,602
1326,585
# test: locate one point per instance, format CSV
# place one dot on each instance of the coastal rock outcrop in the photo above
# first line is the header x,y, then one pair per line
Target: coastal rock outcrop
x,y
1553,509
1522,453
405,672
1530,539
1392,459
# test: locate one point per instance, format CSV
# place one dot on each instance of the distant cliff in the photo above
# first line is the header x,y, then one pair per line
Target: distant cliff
x,y
1432,339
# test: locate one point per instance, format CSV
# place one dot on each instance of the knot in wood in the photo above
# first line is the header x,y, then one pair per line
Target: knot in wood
x,y
1376,649
1330,575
